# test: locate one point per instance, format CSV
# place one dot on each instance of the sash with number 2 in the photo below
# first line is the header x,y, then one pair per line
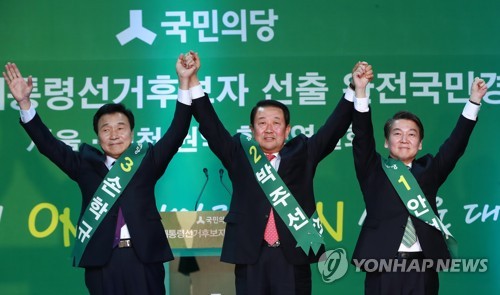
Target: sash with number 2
x,y
284,203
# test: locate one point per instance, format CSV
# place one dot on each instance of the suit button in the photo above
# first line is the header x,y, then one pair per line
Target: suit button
x,y
266,216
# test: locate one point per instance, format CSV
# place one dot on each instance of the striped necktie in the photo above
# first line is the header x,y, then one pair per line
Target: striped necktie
x,y
409,236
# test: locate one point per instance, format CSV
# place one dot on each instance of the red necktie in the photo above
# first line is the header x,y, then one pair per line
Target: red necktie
x,y
271,233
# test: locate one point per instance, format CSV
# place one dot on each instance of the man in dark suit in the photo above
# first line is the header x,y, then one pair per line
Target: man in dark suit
x,y
384,235
126,251
264,267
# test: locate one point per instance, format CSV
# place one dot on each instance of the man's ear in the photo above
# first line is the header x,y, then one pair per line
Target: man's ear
x,y
386,144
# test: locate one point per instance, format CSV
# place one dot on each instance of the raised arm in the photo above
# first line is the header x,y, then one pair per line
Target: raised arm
x,y
454,146
170,142
364,151
56,150
324,141
219,139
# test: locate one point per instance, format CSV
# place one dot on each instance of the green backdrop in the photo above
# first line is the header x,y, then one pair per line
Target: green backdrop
x,y
82,54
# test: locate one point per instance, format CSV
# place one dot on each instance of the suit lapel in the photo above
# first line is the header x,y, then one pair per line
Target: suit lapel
x,y
96,159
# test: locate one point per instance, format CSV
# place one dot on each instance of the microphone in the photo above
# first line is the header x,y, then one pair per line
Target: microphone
x,y
221,172
205,170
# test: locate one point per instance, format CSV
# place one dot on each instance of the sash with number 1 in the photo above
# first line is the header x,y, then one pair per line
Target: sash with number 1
x,y
284,203
414,199
114,183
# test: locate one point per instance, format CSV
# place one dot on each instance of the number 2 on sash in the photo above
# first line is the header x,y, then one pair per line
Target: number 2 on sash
x,y
402,179
253,151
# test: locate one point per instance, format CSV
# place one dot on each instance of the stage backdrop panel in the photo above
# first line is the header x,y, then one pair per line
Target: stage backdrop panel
x,y
83,54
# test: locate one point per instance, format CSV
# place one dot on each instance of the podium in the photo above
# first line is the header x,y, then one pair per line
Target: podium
x,y
194,233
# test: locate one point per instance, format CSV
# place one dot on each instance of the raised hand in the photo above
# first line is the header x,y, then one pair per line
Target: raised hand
x,y
20,89
193,61
478,90
185,70
362,74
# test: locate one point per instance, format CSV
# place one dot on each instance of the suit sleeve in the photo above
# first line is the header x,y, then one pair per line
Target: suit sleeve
x,y
171,141
55,150
324,141
453,148
219,139
363,145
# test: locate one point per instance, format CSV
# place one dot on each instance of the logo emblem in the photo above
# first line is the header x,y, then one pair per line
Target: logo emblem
x,y
332,265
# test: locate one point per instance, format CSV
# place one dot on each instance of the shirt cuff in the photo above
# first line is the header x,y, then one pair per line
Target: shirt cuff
x,y
27,115
349,94
197,92
361,104
471,110
184,97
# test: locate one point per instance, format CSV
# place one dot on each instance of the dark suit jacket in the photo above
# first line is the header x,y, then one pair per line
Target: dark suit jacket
x,y
386,218
86,167
249,209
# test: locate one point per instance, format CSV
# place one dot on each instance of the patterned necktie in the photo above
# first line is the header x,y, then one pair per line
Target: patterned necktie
x,y
271,233
410,236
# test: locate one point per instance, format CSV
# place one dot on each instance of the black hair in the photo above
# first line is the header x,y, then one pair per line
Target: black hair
x,y
406,116
112,108
270,103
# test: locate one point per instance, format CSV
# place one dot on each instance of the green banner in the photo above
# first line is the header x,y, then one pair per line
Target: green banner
x,y
81,55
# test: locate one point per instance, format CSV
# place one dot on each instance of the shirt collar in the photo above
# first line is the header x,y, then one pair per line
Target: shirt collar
x,y
109,161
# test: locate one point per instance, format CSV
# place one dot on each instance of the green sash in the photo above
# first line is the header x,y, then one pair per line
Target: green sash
x,y
114,183
307,232
414,199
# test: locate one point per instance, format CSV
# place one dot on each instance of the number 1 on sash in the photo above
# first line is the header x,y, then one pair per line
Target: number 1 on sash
x,y
402,179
